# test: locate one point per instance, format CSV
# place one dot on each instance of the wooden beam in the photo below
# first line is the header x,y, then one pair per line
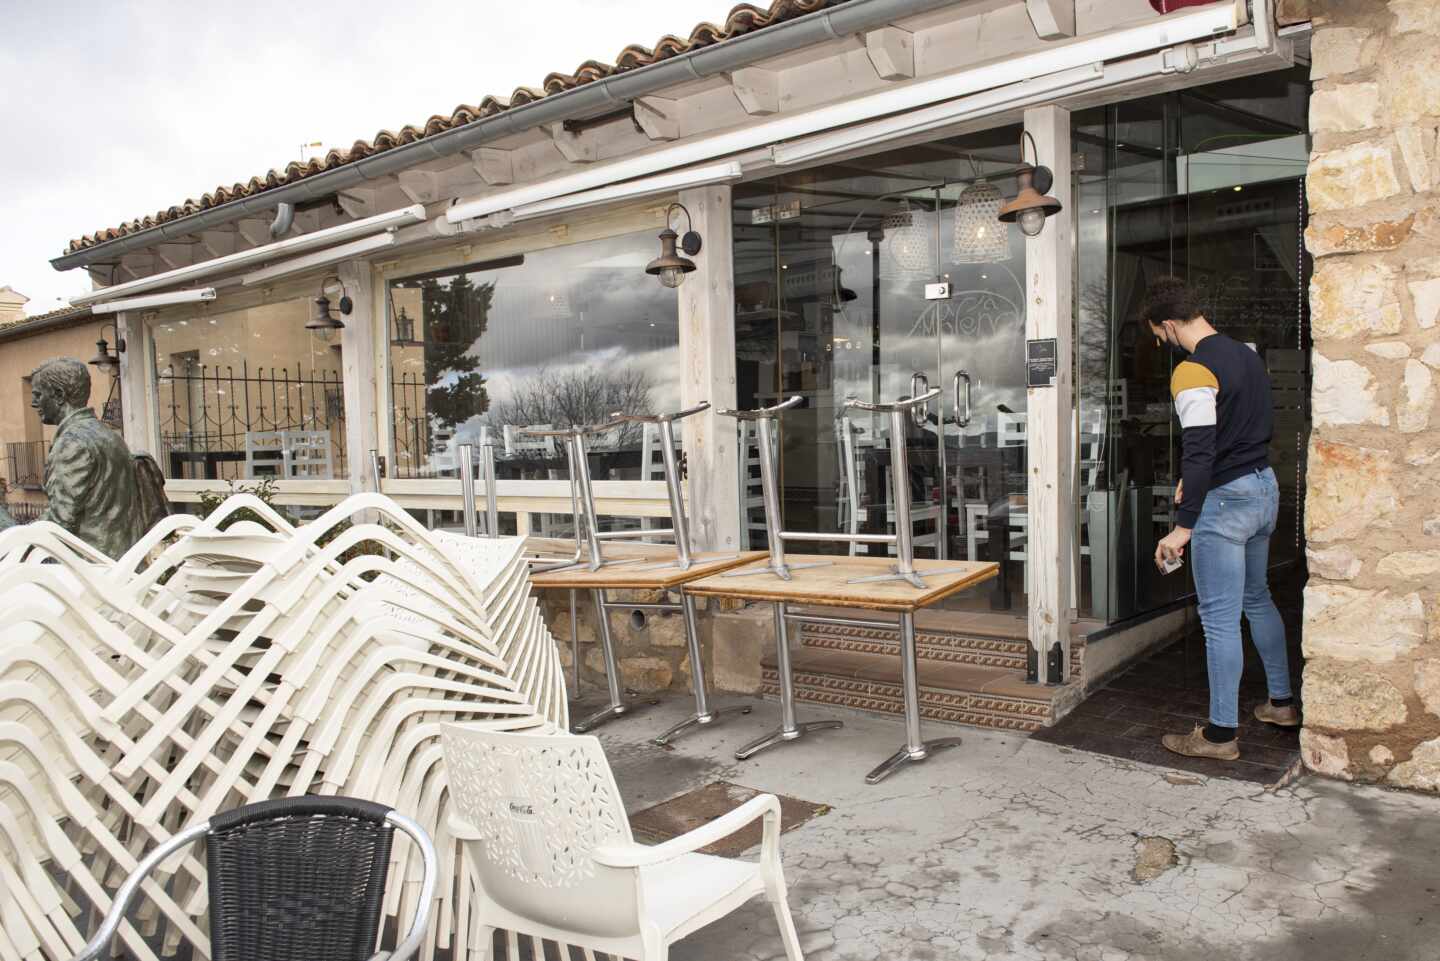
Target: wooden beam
x,y
757,90
707,351
1050,502
658,117
421,186
1053,19
137,413
255,232
220,243
359,371
138,265
175,255
578,148
358,202
493,166
892,52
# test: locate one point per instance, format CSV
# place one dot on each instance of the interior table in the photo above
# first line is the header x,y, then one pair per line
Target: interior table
x,y
831,584
647,568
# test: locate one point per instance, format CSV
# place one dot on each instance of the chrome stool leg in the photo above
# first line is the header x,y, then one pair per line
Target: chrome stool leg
x,y
704,713
790,729
916,747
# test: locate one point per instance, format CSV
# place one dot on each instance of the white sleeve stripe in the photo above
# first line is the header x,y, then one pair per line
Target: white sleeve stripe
x,y
1196,407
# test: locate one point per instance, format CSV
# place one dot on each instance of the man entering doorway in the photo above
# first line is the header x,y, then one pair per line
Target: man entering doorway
x,y
1226,507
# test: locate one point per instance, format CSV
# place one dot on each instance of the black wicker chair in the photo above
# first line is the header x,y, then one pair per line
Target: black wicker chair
x,y
293,879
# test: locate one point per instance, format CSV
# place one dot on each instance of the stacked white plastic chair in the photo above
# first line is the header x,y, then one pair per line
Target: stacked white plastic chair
x,y
209,668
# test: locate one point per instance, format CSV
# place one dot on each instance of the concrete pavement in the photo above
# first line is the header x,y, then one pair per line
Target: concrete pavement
x,y
1004,848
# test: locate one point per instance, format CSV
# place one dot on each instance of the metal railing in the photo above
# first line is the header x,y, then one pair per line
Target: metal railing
x,y
25,463
207,411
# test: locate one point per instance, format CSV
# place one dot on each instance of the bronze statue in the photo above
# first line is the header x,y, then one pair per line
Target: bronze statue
x,y
90,476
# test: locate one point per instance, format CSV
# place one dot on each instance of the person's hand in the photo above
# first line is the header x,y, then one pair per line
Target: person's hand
x,y
1180,491
1171,546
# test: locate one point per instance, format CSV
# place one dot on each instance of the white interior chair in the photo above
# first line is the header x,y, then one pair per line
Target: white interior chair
x,y
542,821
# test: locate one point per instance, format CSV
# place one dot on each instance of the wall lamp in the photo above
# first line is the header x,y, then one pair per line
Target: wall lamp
x,y
322,321
670,267
103,358
1031,205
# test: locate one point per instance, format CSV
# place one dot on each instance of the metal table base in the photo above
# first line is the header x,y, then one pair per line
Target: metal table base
x,y
618,706
916,747
790,729
705,714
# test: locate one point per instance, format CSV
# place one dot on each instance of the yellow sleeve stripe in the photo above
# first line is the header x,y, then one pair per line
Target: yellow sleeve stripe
x,y
1189,375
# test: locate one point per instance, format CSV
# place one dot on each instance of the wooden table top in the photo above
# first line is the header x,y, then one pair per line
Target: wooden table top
x,y
829,585
634,576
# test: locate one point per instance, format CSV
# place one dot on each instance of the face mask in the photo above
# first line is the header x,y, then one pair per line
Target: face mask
x,y
1177,352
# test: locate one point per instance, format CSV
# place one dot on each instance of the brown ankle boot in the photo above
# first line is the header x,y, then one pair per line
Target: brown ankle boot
x,y
1195,745
1287,716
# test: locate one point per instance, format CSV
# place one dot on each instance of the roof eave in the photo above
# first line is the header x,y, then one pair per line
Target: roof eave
x,y
619,88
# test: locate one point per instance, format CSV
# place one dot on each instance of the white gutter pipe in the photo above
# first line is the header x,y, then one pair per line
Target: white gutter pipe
x,y
1198,23
320,258
256,255
155,300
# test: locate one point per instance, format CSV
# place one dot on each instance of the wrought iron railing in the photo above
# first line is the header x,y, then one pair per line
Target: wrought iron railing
x,y
25,463
208,411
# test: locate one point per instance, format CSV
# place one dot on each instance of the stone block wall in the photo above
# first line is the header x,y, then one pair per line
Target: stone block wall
x,y
1372,519
651,646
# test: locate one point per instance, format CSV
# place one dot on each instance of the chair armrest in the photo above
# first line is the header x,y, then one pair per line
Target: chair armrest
x,y
461,829
632,855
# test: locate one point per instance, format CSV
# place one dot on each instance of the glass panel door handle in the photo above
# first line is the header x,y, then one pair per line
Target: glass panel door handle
x,y
962,420
919,386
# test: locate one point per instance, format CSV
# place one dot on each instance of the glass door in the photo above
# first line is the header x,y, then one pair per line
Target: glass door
x,y
832,266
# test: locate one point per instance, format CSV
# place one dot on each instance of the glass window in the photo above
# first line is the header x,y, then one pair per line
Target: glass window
x,y
249,394
831,266
552,339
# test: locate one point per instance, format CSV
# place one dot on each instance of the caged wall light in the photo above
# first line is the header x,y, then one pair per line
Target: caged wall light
x,y
670,267
1031,206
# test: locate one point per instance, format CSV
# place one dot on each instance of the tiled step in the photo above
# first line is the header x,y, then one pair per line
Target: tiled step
x,y
961,693
974,645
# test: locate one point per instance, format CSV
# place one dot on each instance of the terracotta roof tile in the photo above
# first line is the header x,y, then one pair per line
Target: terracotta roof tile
x,y
61,313
741,20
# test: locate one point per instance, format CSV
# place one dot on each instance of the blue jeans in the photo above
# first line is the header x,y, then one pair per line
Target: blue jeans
x,y
1230,551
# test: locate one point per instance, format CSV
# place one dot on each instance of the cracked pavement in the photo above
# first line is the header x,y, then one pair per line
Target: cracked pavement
x,y
1006,848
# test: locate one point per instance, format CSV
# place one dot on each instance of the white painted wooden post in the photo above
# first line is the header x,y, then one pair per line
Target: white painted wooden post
x,y
707,351
138,419
1050,501
363,326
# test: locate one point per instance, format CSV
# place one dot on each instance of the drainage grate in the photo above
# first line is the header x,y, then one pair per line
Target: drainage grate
x,y
693,809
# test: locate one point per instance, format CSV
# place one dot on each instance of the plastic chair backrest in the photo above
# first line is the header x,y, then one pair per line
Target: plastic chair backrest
x,y
540,805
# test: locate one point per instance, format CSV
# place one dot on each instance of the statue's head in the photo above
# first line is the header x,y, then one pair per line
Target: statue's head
x,y
58,387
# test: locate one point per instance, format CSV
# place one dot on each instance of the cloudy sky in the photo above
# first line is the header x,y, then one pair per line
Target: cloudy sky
x,y
118,109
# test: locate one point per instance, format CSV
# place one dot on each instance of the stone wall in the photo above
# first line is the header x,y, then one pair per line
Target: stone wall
x,y
1372,611
651,647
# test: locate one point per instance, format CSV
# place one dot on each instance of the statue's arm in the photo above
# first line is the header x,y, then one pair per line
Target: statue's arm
x,y
69,476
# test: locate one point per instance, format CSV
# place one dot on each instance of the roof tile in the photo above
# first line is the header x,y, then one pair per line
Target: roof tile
x,y
741,20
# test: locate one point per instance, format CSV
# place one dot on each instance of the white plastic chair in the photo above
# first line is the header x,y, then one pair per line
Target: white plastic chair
x,y
542,820
239,665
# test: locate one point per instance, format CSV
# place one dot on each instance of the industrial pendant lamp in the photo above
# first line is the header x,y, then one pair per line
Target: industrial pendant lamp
x,y
979,239
322,321
1031,205
103,358
670,267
